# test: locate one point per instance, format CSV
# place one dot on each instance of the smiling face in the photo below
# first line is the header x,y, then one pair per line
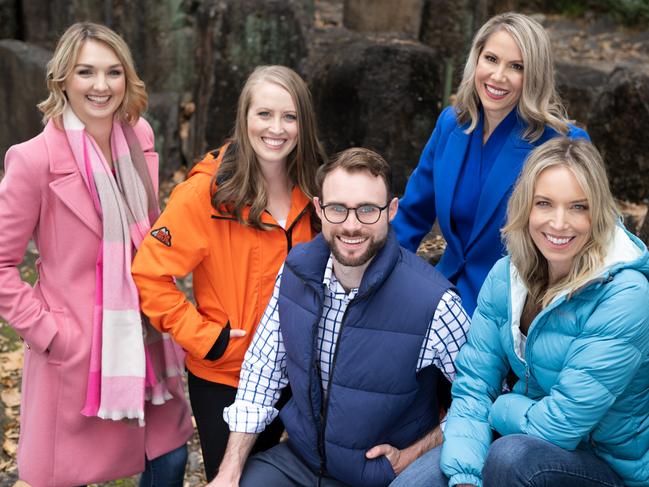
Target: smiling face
x,y
272,123
499,77
352,243
96,86
559,222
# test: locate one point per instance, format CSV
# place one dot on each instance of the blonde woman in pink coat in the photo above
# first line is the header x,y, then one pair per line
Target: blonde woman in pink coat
x,y
101,393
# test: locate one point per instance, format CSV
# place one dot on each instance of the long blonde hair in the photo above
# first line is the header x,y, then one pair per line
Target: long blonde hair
x,y
239,181
63,61
539,104
582,158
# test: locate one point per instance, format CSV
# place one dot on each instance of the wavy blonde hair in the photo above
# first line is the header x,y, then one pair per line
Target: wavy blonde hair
x,y
539,104
65,57
239,181
582,158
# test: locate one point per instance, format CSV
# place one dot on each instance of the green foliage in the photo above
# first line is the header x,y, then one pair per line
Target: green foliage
x,y
628,12
8,337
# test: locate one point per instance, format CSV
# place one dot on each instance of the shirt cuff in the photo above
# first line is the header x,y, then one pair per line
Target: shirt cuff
x,y
247,417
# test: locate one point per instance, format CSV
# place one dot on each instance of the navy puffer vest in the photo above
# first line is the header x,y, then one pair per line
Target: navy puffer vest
x,y
375,394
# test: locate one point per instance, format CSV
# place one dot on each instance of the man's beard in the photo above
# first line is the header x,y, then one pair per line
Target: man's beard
x,y
372,249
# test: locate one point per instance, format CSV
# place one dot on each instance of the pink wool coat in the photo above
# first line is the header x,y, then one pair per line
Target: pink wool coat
x,y
43,197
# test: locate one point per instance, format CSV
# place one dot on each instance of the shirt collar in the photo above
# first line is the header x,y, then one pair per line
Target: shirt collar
x,y
330,282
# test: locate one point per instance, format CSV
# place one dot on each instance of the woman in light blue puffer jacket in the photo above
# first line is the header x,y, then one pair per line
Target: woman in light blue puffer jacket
x,y
566,317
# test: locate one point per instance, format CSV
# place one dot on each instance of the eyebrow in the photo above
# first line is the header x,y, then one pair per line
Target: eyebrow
x,y
82,65
366,203
540,196
518,61
271,109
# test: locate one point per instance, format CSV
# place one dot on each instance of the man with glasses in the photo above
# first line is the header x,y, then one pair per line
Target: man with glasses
x,y
361,329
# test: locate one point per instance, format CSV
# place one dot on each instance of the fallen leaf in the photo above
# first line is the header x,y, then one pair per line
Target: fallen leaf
x,y
10,446
11,361
12,433
10,397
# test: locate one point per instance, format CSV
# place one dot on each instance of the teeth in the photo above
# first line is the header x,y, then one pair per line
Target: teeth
x,y
557,240
352,240
275,142
98,99
496,92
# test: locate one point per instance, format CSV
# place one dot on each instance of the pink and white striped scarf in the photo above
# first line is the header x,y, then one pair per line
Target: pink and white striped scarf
x,y
129,359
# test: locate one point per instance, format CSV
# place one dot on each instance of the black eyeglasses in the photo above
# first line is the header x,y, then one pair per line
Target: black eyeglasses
x,y
367,214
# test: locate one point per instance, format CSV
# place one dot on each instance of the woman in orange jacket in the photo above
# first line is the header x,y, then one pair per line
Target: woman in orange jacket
x,y
231,224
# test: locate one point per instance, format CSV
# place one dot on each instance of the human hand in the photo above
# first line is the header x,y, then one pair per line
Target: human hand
x,y
237,333
223,479
391,453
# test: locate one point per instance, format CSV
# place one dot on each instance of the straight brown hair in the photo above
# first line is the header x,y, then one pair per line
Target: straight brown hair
x,y
239,181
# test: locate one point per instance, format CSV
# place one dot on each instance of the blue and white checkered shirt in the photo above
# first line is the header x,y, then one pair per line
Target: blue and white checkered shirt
x,y
263,373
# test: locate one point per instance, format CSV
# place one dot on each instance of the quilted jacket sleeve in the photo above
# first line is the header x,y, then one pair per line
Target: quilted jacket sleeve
x,y
482,366
599,365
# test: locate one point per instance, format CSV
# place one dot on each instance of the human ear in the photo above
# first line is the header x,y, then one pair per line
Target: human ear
x,y
393,208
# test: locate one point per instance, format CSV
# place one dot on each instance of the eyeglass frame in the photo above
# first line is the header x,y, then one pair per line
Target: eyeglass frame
x,y
380,208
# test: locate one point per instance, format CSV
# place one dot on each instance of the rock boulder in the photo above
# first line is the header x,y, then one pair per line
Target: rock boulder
x,y
616,124
234,36
401,16
381,94
23,86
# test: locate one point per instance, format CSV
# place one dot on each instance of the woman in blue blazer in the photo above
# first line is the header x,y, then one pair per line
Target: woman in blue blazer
x,y
506,105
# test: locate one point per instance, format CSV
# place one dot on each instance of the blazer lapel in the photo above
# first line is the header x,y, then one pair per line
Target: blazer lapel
x,y
500,181
447,174
70,187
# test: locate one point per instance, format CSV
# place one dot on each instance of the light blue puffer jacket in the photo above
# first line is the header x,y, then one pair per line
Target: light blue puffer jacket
x,y
583,380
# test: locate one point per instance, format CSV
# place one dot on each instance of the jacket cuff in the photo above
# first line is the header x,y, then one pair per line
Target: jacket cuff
x,y
465,478
508,413
221,343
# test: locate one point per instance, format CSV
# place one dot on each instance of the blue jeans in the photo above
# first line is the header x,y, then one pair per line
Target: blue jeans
x,y
167,470
520,460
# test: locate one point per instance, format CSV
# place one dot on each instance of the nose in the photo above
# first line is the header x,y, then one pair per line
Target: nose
x,y
276,125
559,220
100,83
498,73
352,223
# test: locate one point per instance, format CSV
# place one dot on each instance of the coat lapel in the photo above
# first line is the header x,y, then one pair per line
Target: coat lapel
x,y
500,181
446,178
70,187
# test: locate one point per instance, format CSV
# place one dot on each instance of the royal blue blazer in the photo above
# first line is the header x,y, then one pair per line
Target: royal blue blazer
x,y
430,191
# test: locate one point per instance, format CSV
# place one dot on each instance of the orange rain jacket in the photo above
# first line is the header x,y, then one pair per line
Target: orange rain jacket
x,y
234,268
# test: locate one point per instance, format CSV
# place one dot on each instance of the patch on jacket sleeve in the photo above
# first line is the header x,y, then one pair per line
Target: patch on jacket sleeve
x,y
163,235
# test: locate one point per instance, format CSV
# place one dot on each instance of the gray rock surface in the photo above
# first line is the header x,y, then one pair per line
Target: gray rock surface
x,y
163,114
400,16
448,27
9,28
579,86
23,86
234,36
619,118
159,33
380,94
